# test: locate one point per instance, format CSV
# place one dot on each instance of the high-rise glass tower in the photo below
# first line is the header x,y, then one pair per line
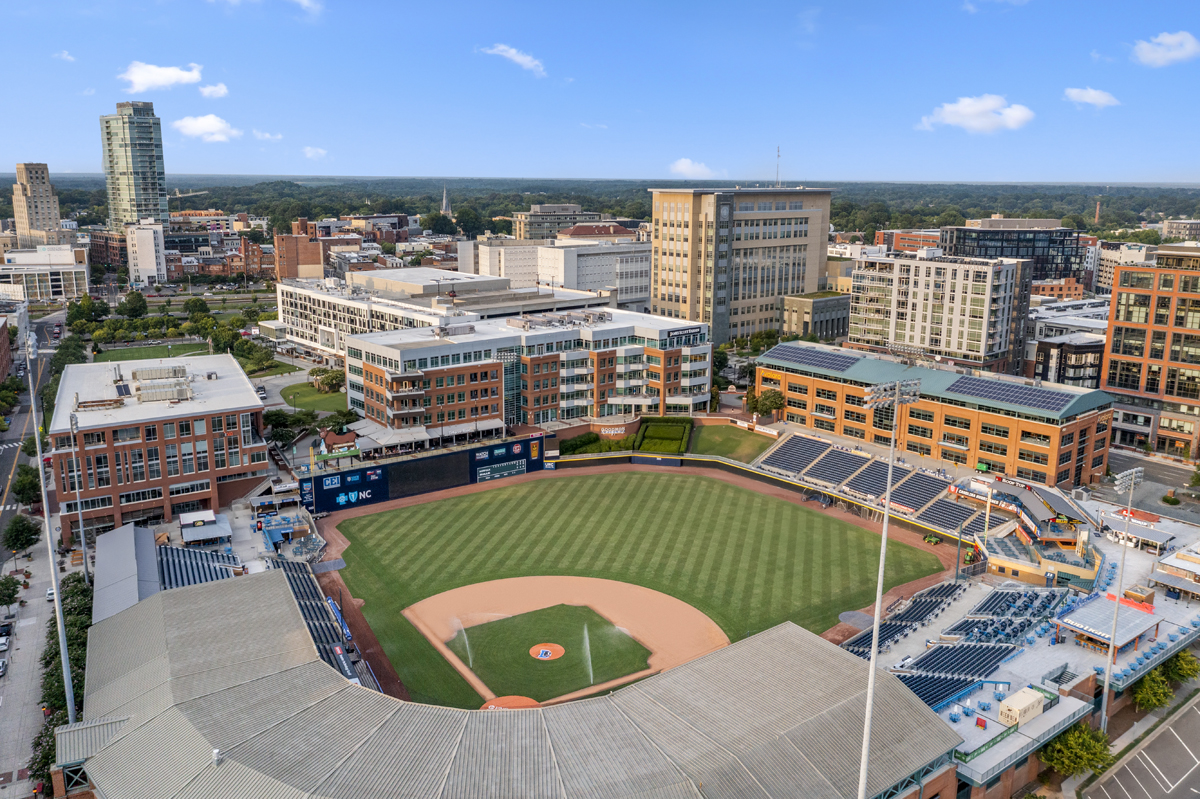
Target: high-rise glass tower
x,y
133,165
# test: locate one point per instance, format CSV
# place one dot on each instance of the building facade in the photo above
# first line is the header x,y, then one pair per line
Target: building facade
x,y
35,209
52,272
1152,366
1116,253
513,259
133,165
1000,424
728,257
1061,288
153,440
544,221
1187,229
147,253
908,240
825,314
532,369
622,267
298,256
1073,359
964,310
1055,252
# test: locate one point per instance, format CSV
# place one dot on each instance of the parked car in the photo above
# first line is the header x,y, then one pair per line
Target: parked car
x,y
4,640
6,628
49,594
3,667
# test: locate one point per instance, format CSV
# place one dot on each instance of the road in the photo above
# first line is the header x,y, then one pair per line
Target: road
x,y
1164,767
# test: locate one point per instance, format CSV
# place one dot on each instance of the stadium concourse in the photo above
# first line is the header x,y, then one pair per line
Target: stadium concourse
x,y
186,699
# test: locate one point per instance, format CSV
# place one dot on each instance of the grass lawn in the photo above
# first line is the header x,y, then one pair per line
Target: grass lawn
x,y
309,397
499,652
157,351
278,368
729,441
747,560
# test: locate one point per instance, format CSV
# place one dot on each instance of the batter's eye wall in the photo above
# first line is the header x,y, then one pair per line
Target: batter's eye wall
x,y
370,484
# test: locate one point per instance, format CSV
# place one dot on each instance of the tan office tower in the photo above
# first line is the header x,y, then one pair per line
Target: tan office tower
x,y
133,166
35,207
728,256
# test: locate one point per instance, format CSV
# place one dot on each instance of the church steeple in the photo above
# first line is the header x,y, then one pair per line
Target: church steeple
x,y
446,202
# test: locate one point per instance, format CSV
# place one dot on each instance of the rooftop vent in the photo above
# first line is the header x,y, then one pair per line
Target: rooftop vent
x,y
210,376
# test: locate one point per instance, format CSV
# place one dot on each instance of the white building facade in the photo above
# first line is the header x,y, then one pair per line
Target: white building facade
x,y
599,266
147,253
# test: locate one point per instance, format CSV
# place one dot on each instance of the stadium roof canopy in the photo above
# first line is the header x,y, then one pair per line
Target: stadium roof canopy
x,y
230,666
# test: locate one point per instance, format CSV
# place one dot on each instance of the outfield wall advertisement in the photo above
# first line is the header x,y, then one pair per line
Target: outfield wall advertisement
x,y
350,488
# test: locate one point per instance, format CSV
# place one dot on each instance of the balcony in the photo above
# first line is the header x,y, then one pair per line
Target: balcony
x,y
581,402
630,367
583,370
633,383
632,399
694,381
698,364
699,349
405,390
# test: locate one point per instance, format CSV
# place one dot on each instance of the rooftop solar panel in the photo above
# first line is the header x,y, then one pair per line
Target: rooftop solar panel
x,y
999,391
811,356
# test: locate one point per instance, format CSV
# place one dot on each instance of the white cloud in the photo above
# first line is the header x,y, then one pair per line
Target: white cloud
x,y
214,91
1090,96
264,136
64,55
1099,56
1166,48
314,153
692,170
594,125
143,77
523,60
986,113
311,6
87,92
209,127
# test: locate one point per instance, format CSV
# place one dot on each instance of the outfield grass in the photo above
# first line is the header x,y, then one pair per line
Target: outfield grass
x,y
309,397
748,561
729,441
157,351
499,652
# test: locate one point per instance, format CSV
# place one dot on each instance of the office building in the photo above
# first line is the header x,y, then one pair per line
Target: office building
x,y
298,256
1002,222
544,221
963,310
1059,288
35,209
1048,435
317,316
1152,366
108,248
909,240
1117,253
147,253
598,232
515,260
623,268
1055,252
155,439
1185,229
51,272
727,257
133,165
531,369
1073,359
825,314
1054,318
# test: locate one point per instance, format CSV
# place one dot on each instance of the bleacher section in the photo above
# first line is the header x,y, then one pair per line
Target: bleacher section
x,y
917,491
179,567
962,660
872,481
976,525
889,633
835,466
922,608
796,454
1008,547
946,514
936,691
919,611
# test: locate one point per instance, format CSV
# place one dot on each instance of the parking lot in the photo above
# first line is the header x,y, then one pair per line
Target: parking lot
x,y
1165,767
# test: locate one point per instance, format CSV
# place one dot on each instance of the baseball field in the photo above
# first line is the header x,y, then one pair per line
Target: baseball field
x,y
746,560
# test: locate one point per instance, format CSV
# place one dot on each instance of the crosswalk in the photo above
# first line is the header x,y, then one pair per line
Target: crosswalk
x,y
8,507
11,444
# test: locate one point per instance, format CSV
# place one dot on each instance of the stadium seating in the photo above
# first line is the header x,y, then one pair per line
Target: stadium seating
x,y
796,454
946,514
918,490
835,466
934,691
962,660
872,480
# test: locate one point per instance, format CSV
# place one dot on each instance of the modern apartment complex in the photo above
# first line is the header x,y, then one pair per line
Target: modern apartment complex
x,y
1052,436
298,256
51,272
727,257
133,165
908,240
153,439
544,221
35,209
318,316
1055,252
1152,366
147,253
1188,229
825,314
1073,359
1117,253
448,381
964,310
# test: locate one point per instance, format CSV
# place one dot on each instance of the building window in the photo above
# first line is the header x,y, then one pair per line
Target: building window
x,y
1097,461
853,432
1030,474
825,394
993,448
145,495
918,447
994,430
953,456
1063,476
920,415
883,441
1032,457
823,424
854,416
919,431
956,421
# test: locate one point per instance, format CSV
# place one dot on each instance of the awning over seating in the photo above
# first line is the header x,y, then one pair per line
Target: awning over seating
x,y
464,428
218,529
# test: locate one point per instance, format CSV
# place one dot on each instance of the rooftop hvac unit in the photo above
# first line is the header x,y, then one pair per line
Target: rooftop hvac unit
x,y
210,376
159,373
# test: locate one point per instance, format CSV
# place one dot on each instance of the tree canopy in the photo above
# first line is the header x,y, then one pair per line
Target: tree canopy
x,y
1076,750
133,306
437,222
21,533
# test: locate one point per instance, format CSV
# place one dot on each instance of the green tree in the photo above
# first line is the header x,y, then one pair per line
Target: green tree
x,y
714,398
1076,750
195,305
332,381
770,400
751,400
237,322
223,338
470,222
282,435
29,447
387,247
27,486
950,218
1181,667
10,591
133,306
439,223
21,533
1152,691
720,360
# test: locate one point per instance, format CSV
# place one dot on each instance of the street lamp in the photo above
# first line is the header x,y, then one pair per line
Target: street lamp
x,y
891,395
87,577
1126,481
68,688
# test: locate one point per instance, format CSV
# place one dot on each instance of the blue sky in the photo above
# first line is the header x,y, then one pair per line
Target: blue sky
x,y
990,90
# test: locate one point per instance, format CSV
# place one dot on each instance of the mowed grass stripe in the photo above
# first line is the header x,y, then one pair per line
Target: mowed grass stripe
x,y
747,560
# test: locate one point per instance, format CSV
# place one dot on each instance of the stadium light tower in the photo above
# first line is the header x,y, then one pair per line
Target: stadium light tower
x,y
882,395
1126,481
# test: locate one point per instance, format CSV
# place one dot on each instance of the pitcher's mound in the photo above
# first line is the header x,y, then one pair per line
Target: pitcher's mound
x,y
510,703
